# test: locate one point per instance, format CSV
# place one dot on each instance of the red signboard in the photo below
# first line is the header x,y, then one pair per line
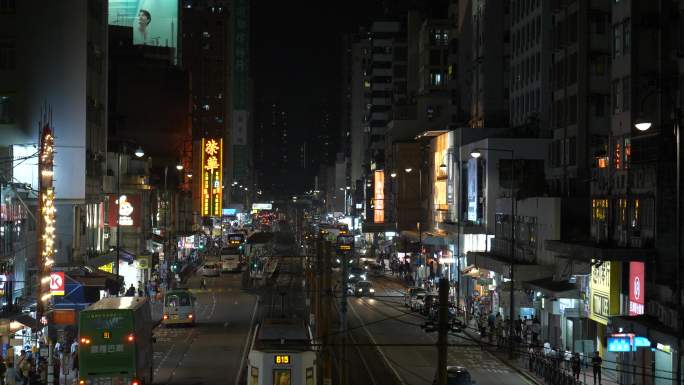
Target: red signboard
x,y
637,286
57,283
125,210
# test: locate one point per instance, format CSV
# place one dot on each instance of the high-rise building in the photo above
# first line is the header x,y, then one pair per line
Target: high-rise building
x,y
488,25
580,69
530,63
61,65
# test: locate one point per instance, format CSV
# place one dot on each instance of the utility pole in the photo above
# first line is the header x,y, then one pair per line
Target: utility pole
x,y
327,357
345,246
443,330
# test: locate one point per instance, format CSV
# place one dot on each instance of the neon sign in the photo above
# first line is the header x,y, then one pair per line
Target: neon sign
x,y
379,197
212,177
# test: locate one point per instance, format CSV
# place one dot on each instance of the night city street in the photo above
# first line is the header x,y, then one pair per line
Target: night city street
x,y
361,192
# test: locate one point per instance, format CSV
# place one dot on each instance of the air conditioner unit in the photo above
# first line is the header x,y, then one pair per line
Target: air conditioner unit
x,y
636,242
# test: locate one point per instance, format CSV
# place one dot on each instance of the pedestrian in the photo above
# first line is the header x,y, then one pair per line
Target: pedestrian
x,y
20,364
532,354
3,369
11,375
596,362
74,364
575,364
42,371
130,292
56,369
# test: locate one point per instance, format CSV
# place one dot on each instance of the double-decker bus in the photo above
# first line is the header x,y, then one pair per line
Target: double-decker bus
x,y
115,342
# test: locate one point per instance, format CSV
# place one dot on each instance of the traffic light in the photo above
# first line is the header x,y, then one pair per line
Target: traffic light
x,y
174,267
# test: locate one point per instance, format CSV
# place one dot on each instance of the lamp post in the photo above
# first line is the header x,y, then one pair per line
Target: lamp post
x,y
476,153
139,153
643,124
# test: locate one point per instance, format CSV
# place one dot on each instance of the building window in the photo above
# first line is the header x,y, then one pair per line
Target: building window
x,y
572,151
626,36
7,6
617,96
617,40
8,54
626,97
7,113
599,209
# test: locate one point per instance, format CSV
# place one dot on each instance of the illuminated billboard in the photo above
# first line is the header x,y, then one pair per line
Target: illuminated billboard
x,y
128,213
154,22
379,197
637,288
605,291
212,171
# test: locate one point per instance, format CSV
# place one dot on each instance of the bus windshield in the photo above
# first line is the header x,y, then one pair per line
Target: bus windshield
x,y
178,299
108,349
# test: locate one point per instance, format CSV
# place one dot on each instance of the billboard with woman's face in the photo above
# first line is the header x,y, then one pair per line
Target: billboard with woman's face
x,y
154,22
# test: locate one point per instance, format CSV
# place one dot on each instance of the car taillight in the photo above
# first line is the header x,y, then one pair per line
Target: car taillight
x,y
131,337
135,382
85,340
81,382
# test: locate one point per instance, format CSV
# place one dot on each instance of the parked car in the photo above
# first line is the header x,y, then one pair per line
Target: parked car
x,y
410,293
417,302
433,312
211,270
364,289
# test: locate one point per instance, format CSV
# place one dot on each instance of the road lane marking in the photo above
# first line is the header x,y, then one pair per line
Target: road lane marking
x,y
382,354
245,350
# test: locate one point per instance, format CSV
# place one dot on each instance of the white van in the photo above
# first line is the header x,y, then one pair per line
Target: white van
x,y
179,308
230,263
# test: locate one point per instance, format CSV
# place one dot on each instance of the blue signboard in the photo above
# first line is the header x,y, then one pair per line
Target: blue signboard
x,y
229,212
619,344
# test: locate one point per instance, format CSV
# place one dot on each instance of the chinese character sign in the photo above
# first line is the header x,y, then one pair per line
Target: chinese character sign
x,y
605,291
379,197
637,287
212,171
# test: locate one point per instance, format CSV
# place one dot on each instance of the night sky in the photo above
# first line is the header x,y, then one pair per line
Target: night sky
x,y
296,62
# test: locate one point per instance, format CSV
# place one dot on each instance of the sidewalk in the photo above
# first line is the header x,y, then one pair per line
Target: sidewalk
x,y
543,372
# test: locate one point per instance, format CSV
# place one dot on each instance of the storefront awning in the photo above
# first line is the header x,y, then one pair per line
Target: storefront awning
x,y
25,320
502,266
554,289
587,251
110,258
410,235
156,238
435,239
368,227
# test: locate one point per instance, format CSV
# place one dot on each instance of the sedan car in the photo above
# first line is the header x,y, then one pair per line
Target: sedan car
x,y
364,289
458,375
211,270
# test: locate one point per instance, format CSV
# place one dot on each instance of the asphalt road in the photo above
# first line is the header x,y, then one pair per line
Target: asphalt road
x,y
210,352
386,322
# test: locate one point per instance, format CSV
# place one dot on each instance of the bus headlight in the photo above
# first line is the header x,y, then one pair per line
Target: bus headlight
x,y
166,316
190,316
372,290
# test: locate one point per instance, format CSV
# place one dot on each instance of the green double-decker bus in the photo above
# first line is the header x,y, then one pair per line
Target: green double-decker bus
x,y
115,342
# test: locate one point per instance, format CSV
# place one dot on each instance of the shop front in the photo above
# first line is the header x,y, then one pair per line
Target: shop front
x,y
128,269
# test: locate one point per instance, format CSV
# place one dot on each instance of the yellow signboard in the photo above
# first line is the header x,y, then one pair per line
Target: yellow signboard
x,y
109,268
604,300
143,262
212,177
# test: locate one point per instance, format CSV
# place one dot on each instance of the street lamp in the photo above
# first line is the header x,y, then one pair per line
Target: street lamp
x,y
393,174
139,152
476,153
642,124
179,167
408,169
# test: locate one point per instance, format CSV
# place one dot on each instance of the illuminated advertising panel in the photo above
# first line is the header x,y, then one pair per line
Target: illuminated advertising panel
x,y
154,22
125,210
212,172
57,283
262,206
472,190
605,291
379,197
637,288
